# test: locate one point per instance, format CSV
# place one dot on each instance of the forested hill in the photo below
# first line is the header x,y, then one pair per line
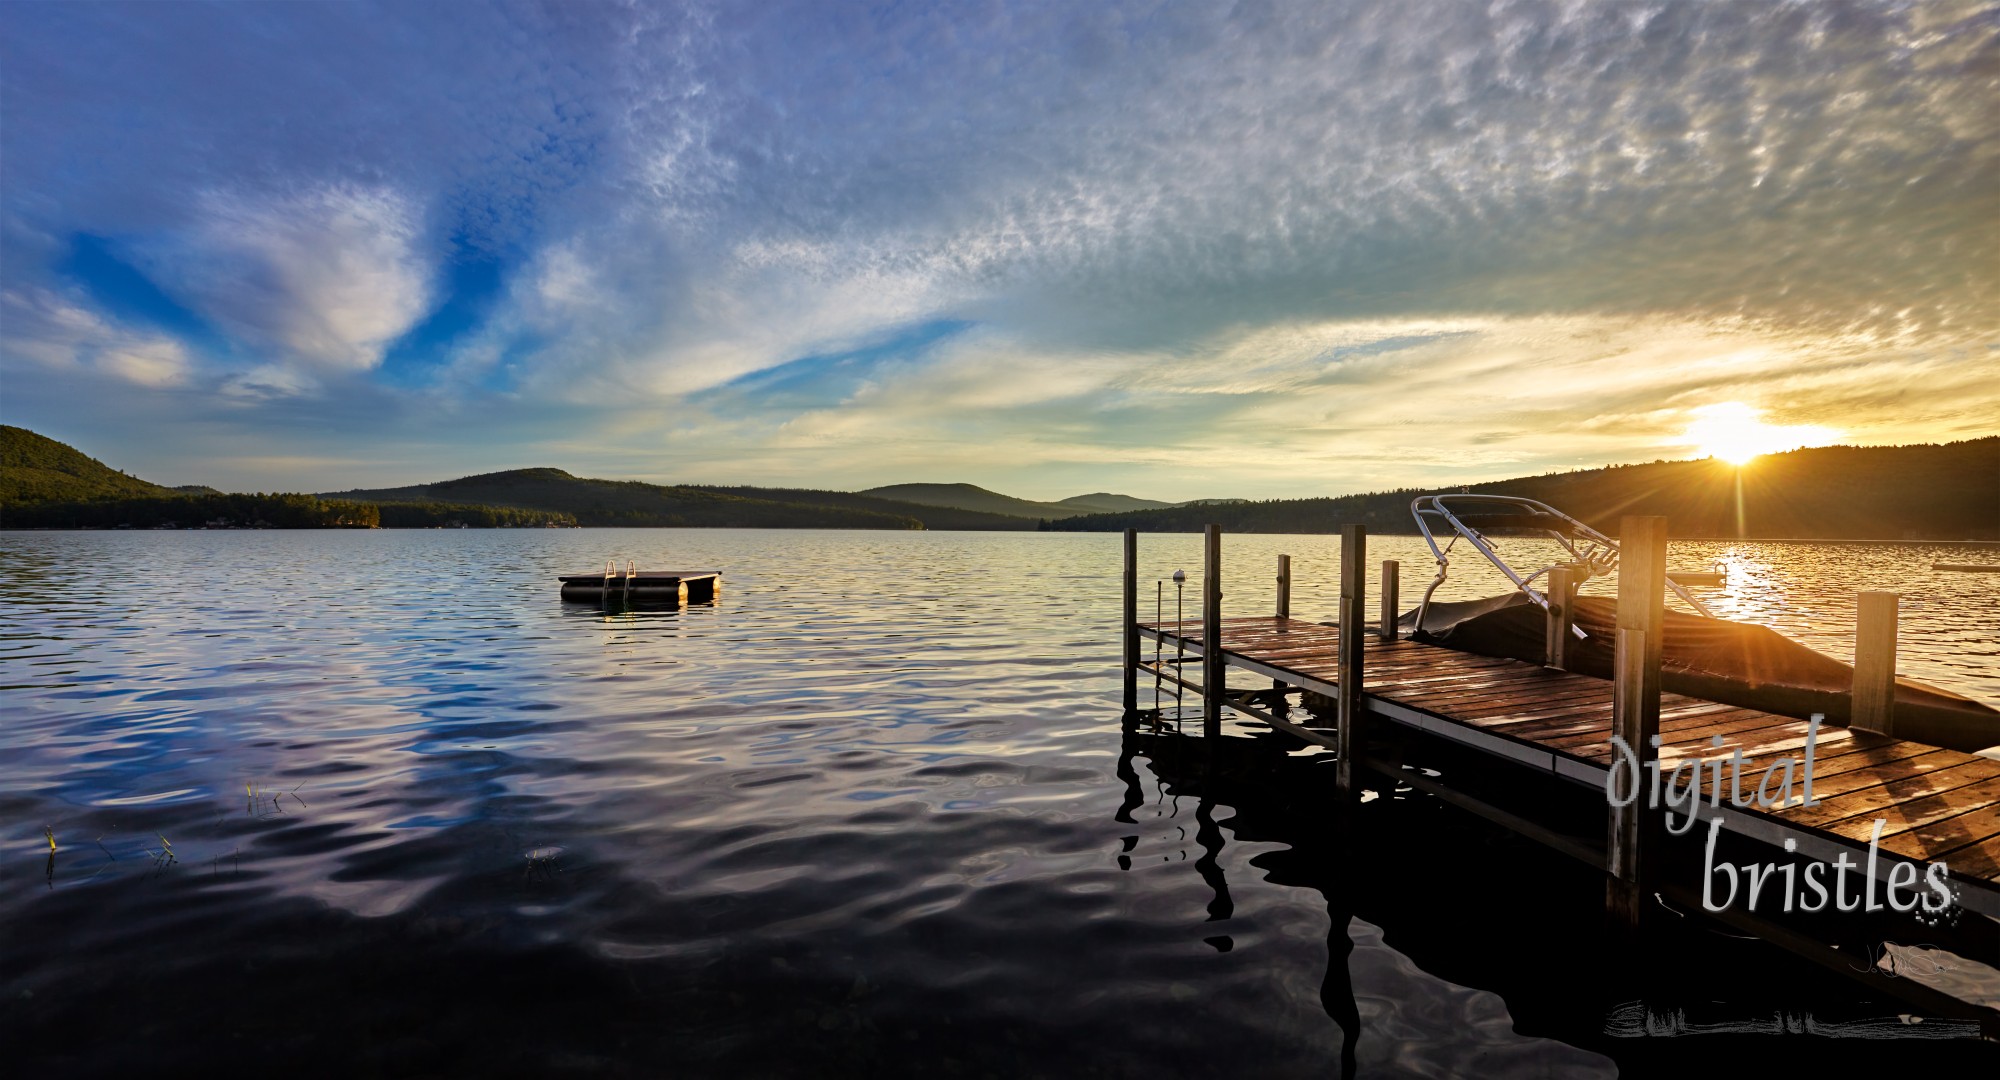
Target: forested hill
x,y
630,502
977,499
36,469
933,517
1925,492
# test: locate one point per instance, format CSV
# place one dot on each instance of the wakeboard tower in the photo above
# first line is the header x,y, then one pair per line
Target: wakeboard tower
x,y
1702,656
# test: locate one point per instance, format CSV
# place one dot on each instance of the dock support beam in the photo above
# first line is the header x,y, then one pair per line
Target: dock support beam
x,y
1131,625
1561,595
1635,701
1391,572
1872,704
1213,671
1347,677
1284,611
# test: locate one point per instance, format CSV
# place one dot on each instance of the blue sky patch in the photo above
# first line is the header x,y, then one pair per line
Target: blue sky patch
x,y
471,286
124,292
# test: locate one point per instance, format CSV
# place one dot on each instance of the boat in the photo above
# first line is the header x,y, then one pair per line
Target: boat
x,y
1702,656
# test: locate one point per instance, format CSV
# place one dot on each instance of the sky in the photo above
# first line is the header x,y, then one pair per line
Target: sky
x,y
1258,249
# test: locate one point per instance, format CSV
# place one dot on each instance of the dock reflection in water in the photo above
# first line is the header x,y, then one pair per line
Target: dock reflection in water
x,y
1385,1004
1439,920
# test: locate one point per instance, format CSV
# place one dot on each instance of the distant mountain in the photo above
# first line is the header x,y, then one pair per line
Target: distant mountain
x,y
933,517
1924,492
1104,502
38,469
47,484
628,502
971,497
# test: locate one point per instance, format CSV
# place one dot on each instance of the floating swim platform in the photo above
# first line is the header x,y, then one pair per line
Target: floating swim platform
x,y
1966,568
642,586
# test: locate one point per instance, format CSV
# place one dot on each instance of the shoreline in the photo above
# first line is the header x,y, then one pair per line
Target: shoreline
x,y
1995,543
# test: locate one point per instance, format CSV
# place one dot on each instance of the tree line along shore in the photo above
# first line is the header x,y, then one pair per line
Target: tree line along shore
x,y
1940,492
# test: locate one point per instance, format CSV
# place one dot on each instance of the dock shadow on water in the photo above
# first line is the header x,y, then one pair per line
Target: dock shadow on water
x,y
1439,921
1390,1010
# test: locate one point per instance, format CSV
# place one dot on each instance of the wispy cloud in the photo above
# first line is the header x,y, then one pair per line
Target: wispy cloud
x,y
59,335
323,279
1329,246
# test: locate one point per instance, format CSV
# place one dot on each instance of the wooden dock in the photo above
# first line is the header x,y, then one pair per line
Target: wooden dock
x,y
1939,805
1878,800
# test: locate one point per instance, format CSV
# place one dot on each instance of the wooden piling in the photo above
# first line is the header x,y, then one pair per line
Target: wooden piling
x,y
1284,587
1347,680
1872,704
1635,700
1213,671
1561,595
1131,625
1284,611
1391,573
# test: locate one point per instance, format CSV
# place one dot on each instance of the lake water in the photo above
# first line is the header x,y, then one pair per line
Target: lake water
x,y
366,803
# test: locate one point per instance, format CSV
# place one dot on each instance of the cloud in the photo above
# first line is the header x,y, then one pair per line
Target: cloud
x,y
1315,408
325,278
60,335
1259,229
267,381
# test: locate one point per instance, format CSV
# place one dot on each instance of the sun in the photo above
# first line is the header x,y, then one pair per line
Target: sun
x,y
1736,433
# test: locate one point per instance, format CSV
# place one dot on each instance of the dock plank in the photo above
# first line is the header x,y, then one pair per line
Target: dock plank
x,y
1869,802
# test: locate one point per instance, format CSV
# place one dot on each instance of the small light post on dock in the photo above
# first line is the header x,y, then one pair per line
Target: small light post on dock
x,y
1635,698
1347,679
1213,671
1872,704
1131,625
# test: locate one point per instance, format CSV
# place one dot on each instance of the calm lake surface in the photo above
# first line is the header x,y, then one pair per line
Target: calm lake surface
x,y
368,803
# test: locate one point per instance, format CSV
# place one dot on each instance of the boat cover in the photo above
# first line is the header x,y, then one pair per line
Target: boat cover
x,y
1740,664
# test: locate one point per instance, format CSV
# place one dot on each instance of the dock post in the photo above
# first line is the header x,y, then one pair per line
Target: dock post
x,y
1347,677
1284,611
1391,572
1284,587
1213,673
1562,615
1873,700
1635,700
1130,629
